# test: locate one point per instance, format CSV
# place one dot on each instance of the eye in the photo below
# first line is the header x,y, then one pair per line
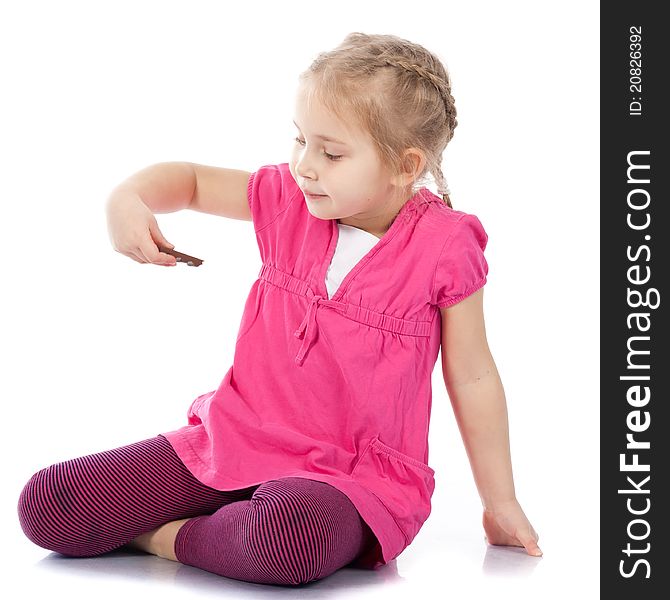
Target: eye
x,y
332,157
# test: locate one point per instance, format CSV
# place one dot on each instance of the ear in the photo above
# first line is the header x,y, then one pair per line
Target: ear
x,y
413,162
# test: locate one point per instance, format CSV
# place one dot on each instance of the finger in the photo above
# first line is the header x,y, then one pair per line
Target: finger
x,y
134,251
142,255
502,539
529,542
153,255
158,237
129,254
135,256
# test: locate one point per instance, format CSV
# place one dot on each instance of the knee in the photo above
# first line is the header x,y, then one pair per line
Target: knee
x,y
34,516
291,535
283,551
41,509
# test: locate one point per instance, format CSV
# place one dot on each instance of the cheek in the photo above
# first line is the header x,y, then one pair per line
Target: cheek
x,y
291,165
294,158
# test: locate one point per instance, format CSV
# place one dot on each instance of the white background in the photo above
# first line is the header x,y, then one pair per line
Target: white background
x,y
99,351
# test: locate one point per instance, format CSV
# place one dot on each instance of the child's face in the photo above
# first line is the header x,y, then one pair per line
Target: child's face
x,y
352,179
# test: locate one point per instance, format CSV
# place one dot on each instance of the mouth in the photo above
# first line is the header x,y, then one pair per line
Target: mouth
x,y
314,196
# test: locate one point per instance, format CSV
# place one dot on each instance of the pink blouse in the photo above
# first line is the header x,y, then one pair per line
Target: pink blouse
x,y
338,389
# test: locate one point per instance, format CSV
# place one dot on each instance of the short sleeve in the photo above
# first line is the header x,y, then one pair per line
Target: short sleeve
x,y
461,267
269,192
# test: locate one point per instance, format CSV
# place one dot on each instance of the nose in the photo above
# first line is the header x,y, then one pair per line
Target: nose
x,y
303,166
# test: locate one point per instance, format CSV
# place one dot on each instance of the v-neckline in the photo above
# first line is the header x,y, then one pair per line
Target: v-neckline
x,y
367,257
357,229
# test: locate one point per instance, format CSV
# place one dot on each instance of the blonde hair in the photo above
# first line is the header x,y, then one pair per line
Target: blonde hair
x,y
396,91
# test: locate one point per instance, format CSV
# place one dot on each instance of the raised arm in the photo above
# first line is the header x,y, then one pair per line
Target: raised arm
x,y
169,187
172,186
480,408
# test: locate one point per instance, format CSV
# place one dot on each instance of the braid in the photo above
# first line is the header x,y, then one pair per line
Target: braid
x,y
443,87
442,187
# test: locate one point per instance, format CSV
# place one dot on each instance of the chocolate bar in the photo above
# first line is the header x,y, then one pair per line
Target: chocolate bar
x,y
191,261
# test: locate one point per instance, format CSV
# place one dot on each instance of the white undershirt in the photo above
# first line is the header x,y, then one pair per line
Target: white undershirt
x,y
352,245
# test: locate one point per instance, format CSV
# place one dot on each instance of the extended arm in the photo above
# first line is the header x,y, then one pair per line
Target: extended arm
x,y
480,408
170,187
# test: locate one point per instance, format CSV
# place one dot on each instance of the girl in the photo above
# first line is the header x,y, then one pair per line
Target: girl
x,y
312,454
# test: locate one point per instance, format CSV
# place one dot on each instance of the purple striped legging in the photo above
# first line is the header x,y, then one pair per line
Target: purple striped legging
x,y
286,531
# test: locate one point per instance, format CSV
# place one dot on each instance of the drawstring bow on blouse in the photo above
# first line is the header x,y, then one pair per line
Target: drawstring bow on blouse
x,y
308,326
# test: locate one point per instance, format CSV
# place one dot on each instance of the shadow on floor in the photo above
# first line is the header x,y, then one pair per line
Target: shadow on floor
x,y
148,569
508,561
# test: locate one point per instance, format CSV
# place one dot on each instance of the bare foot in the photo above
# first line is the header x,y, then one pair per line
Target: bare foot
x,y
160,541
142,542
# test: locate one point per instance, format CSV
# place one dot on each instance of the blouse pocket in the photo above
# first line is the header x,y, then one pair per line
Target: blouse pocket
x,y
403,484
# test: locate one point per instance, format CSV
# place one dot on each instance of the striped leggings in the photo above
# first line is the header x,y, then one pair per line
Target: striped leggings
x,y
287,531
